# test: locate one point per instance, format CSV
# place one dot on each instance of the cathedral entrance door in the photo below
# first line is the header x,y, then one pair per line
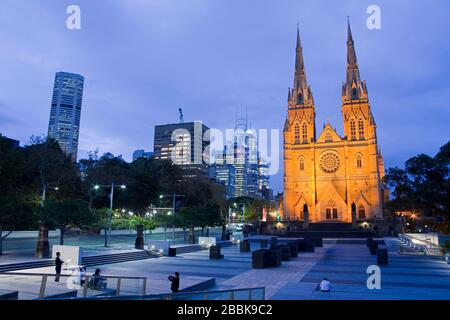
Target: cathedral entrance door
x,y
331,214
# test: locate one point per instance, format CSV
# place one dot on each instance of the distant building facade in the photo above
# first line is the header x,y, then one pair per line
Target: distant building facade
x,y
142,154
65,112
184,144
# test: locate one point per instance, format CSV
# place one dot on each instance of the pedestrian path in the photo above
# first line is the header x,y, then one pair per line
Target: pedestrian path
x,y
345,265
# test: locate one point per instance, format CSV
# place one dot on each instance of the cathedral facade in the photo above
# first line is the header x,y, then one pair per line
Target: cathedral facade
x,y
329,177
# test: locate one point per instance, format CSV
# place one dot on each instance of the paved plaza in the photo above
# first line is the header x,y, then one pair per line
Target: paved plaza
x,y
344,263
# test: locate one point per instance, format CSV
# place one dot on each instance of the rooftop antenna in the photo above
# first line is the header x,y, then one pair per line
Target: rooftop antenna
x,y
181,115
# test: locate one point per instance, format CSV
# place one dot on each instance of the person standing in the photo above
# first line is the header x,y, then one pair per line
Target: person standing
x,y
175,286
58,266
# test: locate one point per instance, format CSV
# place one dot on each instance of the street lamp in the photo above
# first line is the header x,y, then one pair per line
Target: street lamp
x,y
111,201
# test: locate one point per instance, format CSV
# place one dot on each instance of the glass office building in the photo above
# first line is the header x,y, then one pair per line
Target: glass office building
x,y
65,112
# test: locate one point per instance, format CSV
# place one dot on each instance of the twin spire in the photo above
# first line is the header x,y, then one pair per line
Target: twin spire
x,y
300,94
353,88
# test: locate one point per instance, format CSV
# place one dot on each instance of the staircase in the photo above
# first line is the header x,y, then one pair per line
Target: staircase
x,y
27,265
90,261
331,230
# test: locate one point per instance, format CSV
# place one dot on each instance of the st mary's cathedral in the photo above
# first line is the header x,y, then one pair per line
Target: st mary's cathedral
x,y
329,177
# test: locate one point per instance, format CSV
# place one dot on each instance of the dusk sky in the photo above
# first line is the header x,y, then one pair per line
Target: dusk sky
x,y
143,59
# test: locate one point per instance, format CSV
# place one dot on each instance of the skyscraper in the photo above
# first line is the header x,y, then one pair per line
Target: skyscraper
x,y
184,143
65,112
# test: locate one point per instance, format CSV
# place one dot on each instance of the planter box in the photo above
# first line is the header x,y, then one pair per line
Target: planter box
x,y
273,258
214,253
285,252
293,248
306,245
244,246
259,258
382,257
373,248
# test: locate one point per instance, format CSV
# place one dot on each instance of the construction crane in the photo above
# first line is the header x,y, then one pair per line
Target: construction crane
x,y
181,115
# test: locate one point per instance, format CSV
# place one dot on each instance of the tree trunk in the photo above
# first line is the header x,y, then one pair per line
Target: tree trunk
x,y
224,232
1,242
61,236
184,234
173,233
207,231
165,233
191,234
43,246
203,230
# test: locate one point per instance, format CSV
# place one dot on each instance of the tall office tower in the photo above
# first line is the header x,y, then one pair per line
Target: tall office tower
x,y
65,112
184,144
251,159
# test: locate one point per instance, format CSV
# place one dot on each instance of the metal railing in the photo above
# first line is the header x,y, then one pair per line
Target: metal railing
x,y
229,294
421,245
44,285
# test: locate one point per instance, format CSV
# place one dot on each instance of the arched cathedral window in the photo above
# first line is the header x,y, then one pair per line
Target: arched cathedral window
x,y
361,129
305,133
297,133
355,93
359,161
302,164
353,129
331,210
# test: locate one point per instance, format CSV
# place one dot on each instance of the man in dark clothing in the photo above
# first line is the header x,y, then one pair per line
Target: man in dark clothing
x,y
175,282
58,266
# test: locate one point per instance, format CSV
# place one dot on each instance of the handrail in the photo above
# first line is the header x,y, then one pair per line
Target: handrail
x,y
83,287
170,296
65,275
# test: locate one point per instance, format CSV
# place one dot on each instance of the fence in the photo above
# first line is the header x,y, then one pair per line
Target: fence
x,y
43,286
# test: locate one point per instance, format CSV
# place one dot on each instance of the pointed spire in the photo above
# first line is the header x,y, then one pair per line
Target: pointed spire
x,y
300,91
351,53
349,36
354,88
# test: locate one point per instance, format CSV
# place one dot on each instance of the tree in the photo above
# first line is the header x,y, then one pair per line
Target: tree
x,y
423,185
67,214
15,213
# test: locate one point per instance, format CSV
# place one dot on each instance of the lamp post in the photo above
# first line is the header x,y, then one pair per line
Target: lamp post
x,y
111,201
174,197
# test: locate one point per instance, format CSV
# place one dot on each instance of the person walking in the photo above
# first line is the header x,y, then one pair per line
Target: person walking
x,y
175,286
58,266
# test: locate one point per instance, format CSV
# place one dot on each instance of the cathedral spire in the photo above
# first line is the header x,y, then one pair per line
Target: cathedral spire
x,y
352,63
300,73
354,87
301,93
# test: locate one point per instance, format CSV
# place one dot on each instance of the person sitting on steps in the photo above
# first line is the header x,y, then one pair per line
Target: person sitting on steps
x,y
324,285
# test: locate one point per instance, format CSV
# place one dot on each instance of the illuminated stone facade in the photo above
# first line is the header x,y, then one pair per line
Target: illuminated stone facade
x,y
329,172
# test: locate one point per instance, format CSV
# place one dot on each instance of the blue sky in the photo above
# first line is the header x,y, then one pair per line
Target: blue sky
x,y
143,59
